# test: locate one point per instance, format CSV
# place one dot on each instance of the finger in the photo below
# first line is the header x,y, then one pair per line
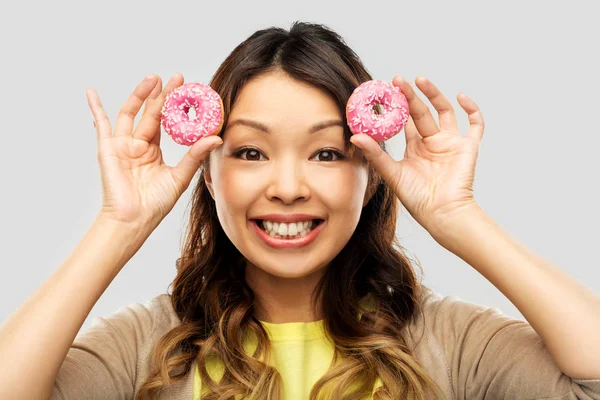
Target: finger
x,y
410,130
476,122
101,121
424,121
127,113
149,125
381,161
446,114
152,98
190,163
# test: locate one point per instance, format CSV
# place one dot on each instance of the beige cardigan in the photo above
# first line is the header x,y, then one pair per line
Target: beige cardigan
x,y
471,351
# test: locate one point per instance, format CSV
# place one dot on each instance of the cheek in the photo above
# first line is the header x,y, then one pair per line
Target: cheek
x,y
235,190
342,190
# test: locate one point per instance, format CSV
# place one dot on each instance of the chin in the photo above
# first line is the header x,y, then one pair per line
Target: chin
x,y
291,274
289,269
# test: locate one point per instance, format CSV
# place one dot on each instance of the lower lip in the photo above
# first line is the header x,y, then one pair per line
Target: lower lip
x,y
287,243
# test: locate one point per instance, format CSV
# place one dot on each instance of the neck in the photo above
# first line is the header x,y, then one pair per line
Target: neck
x,y
282,300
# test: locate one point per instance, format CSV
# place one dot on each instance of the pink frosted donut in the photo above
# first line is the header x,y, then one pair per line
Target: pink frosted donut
x,y
361,116
208,108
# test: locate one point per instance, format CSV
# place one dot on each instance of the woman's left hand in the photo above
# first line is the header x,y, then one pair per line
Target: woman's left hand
x,y
434,181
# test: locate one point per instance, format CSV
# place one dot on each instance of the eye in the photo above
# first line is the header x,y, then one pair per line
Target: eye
x,y
329,154
252,152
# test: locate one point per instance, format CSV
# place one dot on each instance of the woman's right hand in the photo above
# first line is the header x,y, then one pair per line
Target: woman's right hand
x,y
138,187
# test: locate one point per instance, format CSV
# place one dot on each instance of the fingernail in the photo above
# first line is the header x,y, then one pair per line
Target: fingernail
x,y
150,76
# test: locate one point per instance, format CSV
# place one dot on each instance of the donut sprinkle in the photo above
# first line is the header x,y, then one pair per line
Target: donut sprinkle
x,y
362,118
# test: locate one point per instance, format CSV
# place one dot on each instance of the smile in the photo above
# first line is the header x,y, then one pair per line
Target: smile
x,y
286,235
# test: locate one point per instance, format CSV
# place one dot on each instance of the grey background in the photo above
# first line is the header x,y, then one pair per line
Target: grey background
x,y
532,68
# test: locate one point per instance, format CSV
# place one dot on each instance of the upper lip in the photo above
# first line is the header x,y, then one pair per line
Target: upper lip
x,y
287,217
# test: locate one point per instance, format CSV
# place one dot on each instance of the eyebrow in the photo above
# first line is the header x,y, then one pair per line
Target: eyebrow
x,y
263,128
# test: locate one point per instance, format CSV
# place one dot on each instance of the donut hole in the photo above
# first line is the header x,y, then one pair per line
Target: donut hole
x,y
378,109
191,112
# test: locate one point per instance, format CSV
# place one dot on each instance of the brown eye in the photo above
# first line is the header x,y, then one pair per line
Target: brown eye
x,y
252,154
329,155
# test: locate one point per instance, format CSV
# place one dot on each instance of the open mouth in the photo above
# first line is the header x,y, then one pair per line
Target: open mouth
x,y
292,230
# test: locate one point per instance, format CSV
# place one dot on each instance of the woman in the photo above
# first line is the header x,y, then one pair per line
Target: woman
x,y
291,284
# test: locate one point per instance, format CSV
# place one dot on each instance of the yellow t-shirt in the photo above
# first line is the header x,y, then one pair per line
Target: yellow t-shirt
x,y
300,351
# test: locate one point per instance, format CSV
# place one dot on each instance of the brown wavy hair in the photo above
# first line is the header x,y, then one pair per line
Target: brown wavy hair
x,y
214,302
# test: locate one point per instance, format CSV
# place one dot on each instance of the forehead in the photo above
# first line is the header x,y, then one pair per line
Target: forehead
x,y
276,97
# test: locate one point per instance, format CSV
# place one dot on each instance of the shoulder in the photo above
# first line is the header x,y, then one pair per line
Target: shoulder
x,y
473,350
165,317
138,324
448,333
156,311
112,354
142,324
445,318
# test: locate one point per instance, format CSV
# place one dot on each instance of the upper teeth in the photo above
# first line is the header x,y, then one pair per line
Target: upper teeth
x,y
291,228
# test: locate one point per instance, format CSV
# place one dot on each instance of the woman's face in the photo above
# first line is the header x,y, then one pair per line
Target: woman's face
x,y
289,170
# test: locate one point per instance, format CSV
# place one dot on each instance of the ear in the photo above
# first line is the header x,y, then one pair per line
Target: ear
x,y
208,180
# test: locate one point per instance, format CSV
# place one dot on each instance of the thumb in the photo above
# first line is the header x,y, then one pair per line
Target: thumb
x,y
189,164
388,168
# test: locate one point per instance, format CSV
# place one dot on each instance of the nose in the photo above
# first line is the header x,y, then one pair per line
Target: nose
x,y
288,182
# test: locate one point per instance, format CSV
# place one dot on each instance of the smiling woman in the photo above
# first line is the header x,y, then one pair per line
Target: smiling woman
x,y
297,228
292,283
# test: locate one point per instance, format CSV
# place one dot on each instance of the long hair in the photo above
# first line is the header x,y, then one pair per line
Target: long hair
x,y
216,305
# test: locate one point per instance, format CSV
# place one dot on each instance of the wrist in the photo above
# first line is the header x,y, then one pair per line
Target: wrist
x,y
130,233
446,225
